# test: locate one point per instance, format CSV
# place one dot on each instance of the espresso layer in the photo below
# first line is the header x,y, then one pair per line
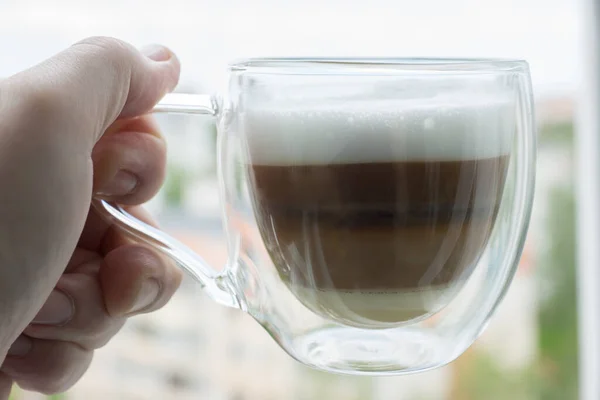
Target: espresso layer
x,y
381,193
314,255
376,231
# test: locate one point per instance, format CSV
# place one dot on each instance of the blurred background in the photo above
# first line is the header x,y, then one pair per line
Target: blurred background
x,y
195,349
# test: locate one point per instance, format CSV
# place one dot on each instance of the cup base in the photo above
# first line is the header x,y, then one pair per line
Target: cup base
x,y
354,351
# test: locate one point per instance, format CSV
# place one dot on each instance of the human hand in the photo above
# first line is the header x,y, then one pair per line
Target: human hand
x,y
72,128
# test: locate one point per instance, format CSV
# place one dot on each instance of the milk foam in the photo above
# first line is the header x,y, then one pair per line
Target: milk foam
x,y
450,127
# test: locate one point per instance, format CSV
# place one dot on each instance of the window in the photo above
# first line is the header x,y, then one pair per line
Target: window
x,y
541,358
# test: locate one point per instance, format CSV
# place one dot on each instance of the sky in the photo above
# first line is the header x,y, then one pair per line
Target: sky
x,y
206,35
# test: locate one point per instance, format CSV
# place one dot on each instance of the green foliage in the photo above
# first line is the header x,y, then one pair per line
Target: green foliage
x,y
179,175
560,133
174,186
555,375
485,379
558,313
15,393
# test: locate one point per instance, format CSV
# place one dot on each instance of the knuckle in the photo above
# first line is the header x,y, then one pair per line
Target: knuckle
x,y
109,52
93,327
175,281
54,368
106,46
90,314
37,93
90,326
177,275
100,338
36,120
112,62
63,375
43,101
54,381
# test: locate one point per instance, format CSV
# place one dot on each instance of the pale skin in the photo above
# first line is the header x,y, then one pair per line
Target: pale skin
x,y
73,128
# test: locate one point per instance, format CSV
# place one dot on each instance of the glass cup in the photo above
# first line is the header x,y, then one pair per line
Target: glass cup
x,y
375,210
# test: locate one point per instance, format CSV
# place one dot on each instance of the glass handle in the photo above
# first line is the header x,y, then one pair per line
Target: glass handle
x,y
216,284
181,103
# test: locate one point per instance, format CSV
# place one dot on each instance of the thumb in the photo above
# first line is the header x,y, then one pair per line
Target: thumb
x,y
94,82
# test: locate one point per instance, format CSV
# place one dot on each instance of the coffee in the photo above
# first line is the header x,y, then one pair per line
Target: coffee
x,y
375,218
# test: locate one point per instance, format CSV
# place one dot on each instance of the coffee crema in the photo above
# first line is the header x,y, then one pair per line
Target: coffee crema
x,y
376,215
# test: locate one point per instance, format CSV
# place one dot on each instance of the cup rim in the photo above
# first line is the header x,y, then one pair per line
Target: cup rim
x,y
342,65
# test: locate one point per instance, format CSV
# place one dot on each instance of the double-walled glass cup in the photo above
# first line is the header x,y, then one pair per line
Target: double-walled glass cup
x,y
375,210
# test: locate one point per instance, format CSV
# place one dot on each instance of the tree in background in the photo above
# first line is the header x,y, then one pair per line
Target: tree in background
x,y
558,343
17,394
555,374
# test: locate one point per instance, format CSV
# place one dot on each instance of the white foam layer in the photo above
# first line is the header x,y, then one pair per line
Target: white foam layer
x,y
450,127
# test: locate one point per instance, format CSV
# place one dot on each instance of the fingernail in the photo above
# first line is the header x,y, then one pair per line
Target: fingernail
x,y
122,184
57,310
147,294
157,53
20,347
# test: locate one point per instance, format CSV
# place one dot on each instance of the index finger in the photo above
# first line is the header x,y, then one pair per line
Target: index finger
x,y
130,162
